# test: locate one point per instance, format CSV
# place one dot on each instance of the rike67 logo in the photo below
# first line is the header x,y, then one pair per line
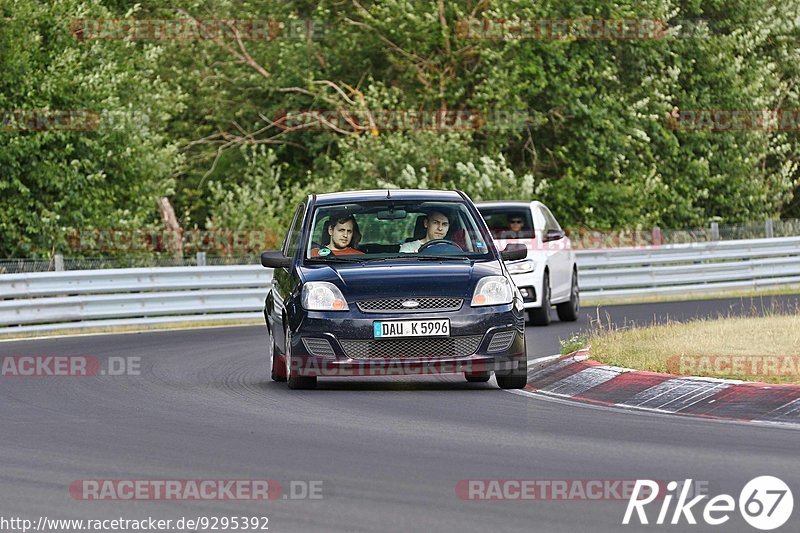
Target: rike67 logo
x,y
765,503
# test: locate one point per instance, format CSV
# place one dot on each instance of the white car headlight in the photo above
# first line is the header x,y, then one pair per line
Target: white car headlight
x,y
492,290
323,296
521,267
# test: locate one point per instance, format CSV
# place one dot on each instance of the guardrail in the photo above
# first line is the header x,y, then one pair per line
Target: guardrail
x,y
131,296
694,268
143,296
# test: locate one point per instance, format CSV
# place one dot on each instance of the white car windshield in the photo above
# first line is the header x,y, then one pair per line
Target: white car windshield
x,y
509,222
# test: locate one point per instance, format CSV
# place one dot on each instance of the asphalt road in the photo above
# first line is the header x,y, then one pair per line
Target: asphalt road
x,y
389,452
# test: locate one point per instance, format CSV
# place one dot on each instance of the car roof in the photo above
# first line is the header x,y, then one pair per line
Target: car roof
x,y
383,194
508,203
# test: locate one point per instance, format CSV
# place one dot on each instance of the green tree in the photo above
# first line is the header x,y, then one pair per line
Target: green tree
x,y
109,176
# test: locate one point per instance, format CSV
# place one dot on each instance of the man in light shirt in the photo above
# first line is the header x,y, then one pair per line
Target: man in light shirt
x,y
436,227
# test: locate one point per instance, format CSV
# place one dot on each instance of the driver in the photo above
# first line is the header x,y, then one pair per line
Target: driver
x,y
436,227
344,236
518,229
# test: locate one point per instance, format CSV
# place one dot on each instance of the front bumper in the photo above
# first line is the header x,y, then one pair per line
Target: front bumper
x,y
530,285
318,366
469,348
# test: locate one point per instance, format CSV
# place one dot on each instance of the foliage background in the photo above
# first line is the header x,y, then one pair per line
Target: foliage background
x,y
191,119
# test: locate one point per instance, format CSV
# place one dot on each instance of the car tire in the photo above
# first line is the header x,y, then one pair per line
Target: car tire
x,y
513,379
540,316
568,311
293,379
478,377
302,382
277,363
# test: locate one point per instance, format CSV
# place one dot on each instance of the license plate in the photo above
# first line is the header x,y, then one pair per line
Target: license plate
x,y
412,328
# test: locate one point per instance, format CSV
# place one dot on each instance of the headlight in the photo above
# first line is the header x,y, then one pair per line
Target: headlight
x,y
323,296
492,290
521,267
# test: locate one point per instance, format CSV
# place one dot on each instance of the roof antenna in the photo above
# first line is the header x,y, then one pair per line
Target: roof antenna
x,y
388,194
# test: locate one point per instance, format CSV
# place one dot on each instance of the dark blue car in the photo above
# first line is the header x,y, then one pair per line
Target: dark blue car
x,y
389,282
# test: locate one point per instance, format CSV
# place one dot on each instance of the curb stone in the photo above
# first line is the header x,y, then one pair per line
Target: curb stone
x,y
577,377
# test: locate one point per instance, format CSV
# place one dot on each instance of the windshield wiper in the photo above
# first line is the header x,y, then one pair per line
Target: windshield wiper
x,y
444,257
418,256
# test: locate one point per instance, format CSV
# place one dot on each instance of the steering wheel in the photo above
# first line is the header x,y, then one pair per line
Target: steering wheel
x,y
435,242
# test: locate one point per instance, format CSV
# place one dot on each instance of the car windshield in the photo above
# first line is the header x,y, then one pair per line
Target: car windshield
x,y
508,222
386,229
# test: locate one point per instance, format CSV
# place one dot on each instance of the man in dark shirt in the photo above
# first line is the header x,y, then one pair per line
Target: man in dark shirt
x,y
517,229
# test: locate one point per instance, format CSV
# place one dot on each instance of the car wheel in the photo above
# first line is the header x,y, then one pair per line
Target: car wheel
x,y
541,316
478,377
568,311
277,372
513,379
294,380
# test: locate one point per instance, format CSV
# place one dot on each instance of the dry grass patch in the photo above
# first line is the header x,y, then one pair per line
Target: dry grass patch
x,y
752,348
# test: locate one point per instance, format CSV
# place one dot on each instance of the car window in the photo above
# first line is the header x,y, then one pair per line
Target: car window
x,y
550,221
391,228
499,220
292,242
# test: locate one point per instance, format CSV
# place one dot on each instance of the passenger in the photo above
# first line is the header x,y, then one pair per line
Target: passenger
x,y
436,227
344,236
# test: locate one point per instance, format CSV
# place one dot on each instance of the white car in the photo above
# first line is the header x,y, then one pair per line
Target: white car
x,y
549,275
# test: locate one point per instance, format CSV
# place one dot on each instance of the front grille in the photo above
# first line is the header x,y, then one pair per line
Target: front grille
x,y
395,305
319,347
501,341
411,348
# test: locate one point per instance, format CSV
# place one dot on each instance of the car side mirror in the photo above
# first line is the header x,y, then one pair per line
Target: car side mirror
x,y
275,259
553,235
514,252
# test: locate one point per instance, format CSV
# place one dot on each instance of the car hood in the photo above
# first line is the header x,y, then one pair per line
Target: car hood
x,y
361,281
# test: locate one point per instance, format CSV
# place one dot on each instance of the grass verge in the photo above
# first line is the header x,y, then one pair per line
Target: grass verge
x,y
751,348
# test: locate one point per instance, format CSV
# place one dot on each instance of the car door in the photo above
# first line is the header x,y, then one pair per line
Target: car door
x,y
558,257
282,278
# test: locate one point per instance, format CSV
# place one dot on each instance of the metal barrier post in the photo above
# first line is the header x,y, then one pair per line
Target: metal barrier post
x,y
656,236
714,231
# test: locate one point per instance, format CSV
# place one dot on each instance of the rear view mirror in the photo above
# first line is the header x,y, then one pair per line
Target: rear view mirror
x,y
393,214
514,252
275,259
